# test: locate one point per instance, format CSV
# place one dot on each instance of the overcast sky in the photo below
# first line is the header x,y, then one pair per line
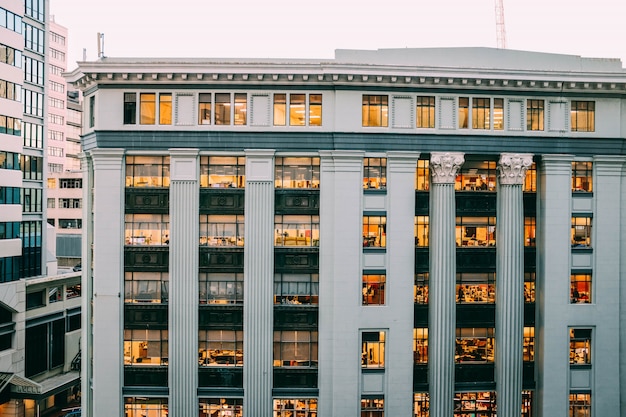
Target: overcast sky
x,y
315,28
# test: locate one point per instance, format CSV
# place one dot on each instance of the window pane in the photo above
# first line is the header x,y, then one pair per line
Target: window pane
x,y
147,108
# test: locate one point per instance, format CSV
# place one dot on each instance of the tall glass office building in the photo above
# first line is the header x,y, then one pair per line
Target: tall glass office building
x,y
411,232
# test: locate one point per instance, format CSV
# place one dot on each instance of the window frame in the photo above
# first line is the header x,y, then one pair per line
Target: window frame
x,y
284,358
580,346
373,356
535,114
582,116
375,110
373,288
375,173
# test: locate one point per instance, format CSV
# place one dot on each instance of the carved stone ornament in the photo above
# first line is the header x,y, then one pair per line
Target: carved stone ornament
x,y
513,166
444,166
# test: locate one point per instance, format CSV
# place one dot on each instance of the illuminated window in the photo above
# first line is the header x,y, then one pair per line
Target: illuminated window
x,y
420,288
420,345
220,348
280,109
241,109
142,406
286,407
295,348
530,227
425,112
582,174
534,114
375,173
474,232
296,172
146,287
204,108
296,289
221,407
475,287
421,404
476,176
498,114
221,288
474,345
145,347
221,230
581,232
422,180
580,288
373,349
222,171
481,108
165,108
528,351
583,116
373,289
529,287
580,405
222,108
297,111
372,407
147,109
296,230
530,182
315,109
481,404
579,346
146,229
304,109
421,231
147,171
463,112
374,231
375,111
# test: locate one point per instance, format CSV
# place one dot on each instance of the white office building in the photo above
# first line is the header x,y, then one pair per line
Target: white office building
x,y
402,232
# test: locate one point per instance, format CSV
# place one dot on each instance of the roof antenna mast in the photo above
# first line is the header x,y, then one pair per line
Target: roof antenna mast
x,y
100,45
500,29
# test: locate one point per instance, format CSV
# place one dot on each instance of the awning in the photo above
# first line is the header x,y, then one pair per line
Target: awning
x,y
19,384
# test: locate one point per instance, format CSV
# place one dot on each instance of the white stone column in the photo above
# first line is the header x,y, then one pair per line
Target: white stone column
x,y
258,321
340,278
552,287
86,342
401,170
510,282
108,281
442,282
607,243
183,275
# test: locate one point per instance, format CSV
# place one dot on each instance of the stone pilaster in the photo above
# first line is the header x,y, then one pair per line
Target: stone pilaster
x,y
401,170
86,342
341,247
258,320
183,274
442,282
108,281
510,283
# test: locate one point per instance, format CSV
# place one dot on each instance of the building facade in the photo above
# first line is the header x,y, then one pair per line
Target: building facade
x,y
39,311
428,232
64,180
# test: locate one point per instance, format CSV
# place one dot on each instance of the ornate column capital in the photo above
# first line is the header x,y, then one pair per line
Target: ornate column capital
x,y
512,168
444,166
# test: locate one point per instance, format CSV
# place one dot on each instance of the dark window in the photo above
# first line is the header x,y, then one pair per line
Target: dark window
x,y
130,108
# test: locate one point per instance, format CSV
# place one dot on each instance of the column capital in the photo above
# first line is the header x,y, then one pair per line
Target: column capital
x,y
184,164
609,164
402,161
260,164
107,159
512,167
444,166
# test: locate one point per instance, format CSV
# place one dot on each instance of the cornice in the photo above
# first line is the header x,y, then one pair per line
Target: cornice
x,y
326,75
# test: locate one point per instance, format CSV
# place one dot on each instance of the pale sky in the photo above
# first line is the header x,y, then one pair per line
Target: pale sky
x,y
315,28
